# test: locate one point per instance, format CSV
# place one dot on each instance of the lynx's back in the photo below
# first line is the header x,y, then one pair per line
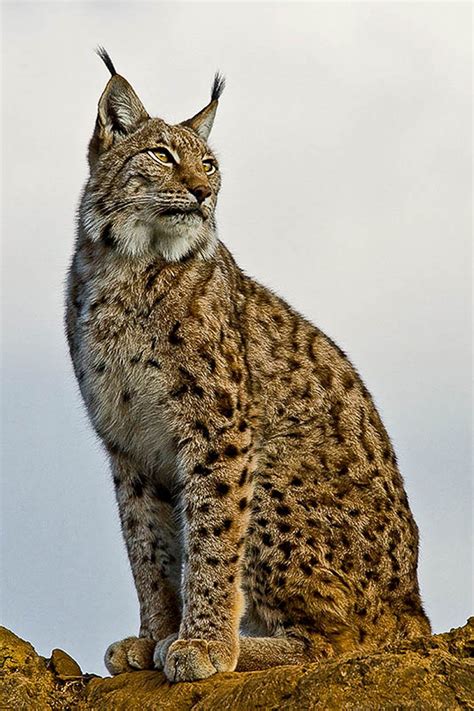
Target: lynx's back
x,y
261,504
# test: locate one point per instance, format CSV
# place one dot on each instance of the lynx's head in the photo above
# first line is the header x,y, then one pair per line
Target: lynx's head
x,y
153,186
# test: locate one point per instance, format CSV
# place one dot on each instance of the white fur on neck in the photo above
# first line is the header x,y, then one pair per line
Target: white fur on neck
x,y
174,238
136,238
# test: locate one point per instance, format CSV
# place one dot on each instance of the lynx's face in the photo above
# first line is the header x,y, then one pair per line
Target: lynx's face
x,y
153,186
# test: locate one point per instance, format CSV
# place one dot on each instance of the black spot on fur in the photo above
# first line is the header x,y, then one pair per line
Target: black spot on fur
x,y
283,510
325,375
151,280
153,363
224,403
113,447
131,523
187,375
222,488
345,540
138,486
293,364
173,337
209,359
179,391
212,456
306,569
231,451
162,493
243,503
201,427
106,236
348,381
393,583
236,375
285,548
201,470
243,476
347,564
243,426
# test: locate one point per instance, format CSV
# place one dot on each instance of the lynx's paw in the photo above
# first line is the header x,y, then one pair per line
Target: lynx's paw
x,y
130,654
192,659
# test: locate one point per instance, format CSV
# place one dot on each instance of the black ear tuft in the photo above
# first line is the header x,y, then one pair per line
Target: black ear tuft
x,y
104,55
218,86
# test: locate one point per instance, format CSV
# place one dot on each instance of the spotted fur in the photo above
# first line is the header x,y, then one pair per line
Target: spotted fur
x,y
261,503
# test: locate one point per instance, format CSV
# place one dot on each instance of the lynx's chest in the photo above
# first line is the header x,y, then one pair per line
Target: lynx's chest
x,y
124,383
121,356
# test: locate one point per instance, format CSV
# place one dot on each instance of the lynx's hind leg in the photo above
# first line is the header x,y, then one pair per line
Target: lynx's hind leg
x,y
265,652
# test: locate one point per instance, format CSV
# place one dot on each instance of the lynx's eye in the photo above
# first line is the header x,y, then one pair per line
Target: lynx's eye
x,y
161,155
209,166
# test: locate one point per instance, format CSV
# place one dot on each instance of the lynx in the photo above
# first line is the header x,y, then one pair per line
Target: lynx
x,y
263,512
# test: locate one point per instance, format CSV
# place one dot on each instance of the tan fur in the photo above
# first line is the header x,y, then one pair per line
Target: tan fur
x,y
260,500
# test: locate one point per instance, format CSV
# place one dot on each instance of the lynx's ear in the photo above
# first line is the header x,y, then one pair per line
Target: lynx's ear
x,y
120,112
202,122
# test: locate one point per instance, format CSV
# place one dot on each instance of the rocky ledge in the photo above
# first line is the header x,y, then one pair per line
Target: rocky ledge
x,y
432,673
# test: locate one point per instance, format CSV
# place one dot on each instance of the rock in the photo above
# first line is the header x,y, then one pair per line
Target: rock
x,y
426,674
27,681
64,665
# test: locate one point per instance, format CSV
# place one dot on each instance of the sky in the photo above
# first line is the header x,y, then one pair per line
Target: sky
x,y
344,137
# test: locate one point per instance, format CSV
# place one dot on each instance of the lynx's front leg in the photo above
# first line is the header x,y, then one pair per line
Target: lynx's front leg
x,y
216,499
151,536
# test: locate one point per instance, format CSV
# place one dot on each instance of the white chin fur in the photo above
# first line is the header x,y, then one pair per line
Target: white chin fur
x,y
172,237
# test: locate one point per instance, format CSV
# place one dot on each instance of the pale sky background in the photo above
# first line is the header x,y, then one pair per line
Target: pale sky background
x,y
345,141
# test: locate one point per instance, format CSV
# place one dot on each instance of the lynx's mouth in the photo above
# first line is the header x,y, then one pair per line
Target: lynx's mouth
x,y
193,210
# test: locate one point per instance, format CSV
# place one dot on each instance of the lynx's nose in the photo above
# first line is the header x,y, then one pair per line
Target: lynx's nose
x,y
200,192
